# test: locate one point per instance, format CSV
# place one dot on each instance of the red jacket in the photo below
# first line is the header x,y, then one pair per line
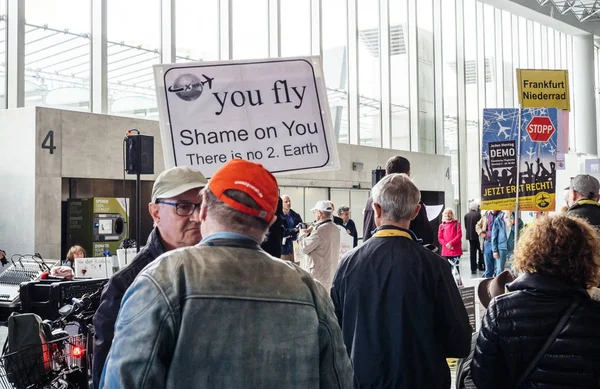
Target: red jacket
x,y
450,232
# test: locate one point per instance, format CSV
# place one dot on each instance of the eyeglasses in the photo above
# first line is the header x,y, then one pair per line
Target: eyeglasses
x,y
182,209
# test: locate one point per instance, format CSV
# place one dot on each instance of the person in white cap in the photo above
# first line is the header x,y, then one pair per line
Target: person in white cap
x,y
583,198
320,244
175,209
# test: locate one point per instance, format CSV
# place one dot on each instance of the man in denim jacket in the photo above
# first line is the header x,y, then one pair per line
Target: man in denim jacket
x,y
225,314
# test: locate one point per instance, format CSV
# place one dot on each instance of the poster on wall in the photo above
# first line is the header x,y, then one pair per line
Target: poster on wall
x,y
274,112
537,159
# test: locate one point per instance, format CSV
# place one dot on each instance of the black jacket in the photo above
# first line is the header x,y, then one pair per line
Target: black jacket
x,y
401,314
352,228
420,226
272,244
471,219
586,209
516,326
110,302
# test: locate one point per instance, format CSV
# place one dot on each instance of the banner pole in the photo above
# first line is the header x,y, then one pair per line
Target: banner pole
x,y
518,178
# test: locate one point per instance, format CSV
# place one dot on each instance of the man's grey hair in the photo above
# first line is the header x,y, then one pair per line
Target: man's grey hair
x,y
233,219
343,209
397,196
474,206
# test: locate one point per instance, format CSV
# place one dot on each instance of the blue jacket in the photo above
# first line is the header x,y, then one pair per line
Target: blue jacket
x,y
225,314
499,238
290,221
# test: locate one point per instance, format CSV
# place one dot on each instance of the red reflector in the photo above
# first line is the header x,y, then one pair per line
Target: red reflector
x,y
77,351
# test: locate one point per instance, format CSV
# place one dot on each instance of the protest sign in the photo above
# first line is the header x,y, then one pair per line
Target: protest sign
x,y
537,158
543,88
274,112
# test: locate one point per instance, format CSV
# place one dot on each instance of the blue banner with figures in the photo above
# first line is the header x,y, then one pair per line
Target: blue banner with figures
x,y
537,159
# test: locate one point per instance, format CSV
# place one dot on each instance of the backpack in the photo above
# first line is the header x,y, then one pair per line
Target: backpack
x,y
26,357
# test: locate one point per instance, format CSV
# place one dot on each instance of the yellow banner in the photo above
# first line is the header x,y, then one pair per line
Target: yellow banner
x,y
543,88
542,201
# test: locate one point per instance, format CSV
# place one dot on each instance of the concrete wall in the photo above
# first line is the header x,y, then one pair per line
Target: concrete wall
x,y
90,146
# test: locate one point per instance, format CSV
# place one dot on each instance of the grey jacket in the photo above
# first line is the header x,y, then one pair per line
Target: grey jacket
x,y
225,314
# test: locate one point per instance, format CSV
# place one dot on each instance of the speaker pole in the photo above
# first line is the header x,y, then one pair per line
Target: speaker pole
x,y
138,212
138,197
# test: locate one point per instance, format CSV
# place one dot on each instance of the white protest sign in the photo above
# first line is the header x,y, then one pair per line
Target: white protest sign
x,y
274,112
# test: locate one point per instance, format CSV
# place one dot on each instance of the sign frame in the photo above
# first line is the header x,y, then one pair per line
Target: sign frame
x,y
328,140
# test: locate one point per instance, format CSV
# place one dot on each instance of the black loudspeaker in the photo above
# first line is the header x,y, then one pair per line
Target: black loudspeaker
x,y
139,154
376,176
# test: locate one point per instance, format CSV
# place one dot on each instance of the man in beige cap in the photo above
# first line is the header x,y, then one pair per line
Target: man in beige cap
x,y
174,208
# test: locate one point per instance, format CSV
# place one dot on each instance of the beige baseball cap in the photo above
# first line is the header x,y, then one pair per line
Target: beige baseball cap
x,y
175,181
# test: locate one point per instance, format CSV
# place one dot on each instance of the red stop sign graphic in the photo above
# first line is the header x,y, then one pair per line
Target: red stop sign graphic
x,y
540,129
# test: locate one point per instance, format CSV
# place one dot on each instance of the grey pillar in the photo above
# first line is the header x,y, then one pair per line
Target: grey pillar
x,y
99,87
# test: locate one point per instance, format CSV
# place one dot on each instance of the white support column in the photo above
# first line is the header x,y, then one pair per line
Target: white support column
x,y
461,111
274,18
99,61
385,77
584,95
413,71
316,28
225,30
15,65
167,31
353,89
438,75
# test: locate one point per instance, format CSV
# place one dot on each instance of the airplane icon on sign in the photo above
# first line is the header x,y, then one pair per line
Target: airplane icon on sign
x,y
530,153
502,130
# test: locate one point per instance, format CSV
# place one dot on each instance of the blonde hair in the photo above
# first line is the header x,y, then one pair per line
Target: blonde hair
x,y
74,250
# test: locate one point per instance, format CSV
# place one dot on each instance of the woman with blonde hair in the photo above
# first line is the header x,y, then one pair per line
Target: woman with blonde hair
x,y
74,252
544,333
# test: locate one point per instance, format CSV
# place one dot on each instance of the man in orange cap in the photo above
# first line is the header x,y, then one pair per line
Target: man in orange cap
x,y
224,313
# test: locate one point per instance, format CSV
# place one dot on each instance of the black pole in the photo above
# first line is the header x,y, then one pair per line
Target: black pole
x,y
138,212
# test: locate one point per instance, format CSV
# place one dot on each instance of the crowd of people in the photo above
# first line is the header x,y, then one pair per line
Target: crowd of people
x,y
217,297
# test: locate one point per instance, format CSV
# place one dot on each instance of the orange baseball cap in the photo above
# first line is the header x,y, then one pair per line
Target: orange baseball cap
x,y
250,178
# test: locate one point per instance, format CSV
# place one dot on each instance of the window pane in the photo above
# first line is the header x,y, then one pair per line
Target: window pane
x,y
57,53
2,52
197,41
426,76
523,55
335,64
295,28
133,47
551,49
369,82
449,89
490,54
537,45
399,74
509,70
472,101
250,29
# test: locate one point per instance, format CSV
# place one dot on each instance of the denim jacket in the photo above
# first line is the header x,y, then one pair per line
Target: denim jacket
x,y
225,314
499,238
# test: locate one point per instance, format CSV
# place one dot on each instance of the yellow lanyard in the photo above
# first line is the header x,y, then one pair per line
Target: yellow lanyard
x,y
390,233
582,202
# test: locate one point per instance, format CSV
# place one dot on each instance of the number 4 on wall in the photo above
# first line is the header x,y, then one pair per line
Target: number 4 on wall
x,y
48,142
